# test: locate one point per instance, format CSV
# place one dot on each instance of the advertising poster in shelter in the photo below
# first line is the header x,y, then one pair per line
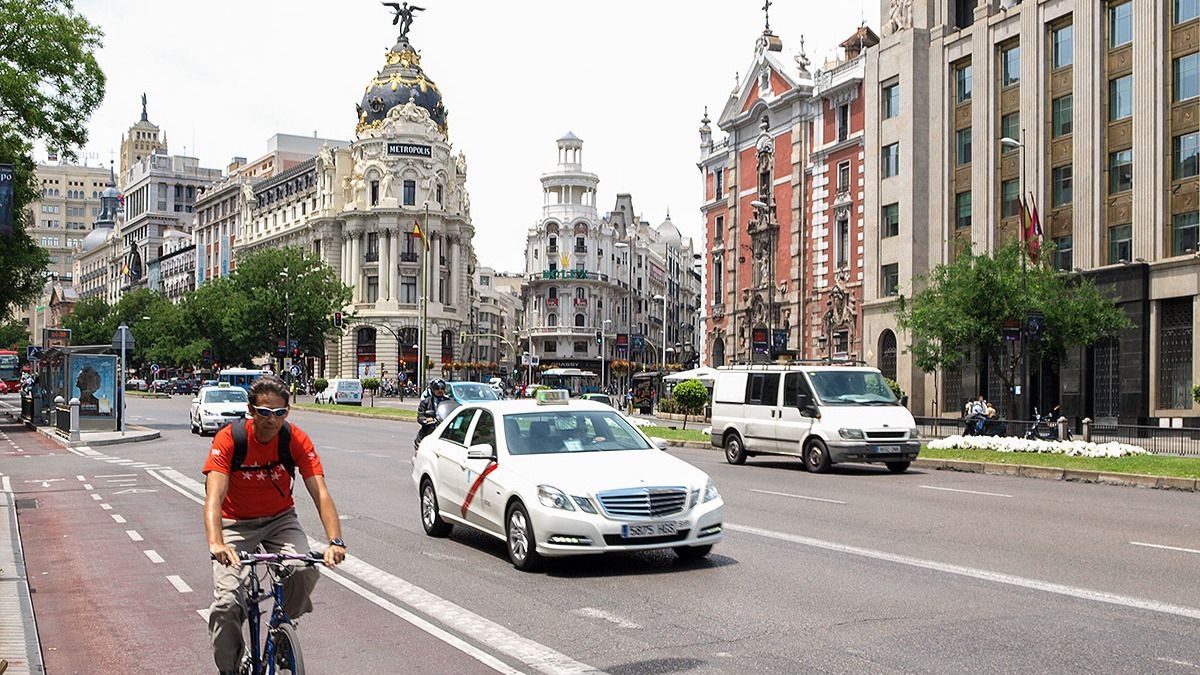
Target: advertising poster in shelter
x,y
93,379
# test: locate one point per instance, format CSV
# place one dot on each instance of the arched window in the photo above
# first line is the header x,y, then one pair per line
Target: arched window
x,y
579,320
365,345
553,292
887,354
447,346
718,353
580,292
552,320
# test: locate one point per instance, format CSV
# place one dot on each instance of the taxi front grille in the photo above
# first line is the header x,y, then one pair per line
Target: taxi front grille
x,y
644,502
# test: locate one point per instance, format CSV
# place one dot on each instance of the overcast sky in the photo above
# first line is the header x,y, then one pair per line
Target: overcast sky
x,y
631,78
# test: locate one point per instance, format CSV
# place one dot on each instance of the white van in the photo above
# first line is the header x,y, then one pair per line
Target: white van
x,y
345,391
823,414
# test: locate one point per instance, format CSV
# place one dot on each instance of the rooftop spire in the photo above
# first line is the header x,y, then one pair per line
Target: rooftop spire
x,y
144,118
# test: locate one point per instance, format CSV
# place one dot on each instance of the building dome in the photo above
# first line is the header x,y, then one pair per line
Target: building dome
x,y
400,81
670,233
95,238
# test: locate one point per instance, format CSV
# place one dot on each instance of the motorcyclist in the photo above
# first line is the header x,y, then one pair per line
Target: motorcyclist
x,y
427,408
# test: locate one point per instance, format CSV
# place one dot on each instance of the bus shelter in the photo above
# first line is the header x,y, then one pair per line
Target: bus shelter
x,y
86,373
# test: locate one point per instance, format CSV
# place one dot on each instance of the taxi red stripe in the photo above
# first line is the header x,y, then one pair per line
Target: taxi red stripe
x,y
475,487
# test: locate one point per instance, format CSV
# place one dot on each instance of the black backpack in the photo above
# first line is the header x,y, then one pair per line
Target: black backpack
x,y
241,446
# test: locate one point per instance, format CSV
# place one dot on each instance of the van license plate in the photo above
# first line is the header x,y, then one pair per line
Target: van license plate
x,y
652,529
887,448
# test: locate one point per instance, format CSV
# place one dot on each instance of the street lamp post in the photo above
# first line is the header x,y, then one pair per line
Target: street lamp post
x,y
1006,142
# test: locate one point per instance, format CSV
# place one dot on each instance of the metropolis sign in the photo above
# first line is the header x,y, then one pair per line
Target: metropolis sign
x,y
410,150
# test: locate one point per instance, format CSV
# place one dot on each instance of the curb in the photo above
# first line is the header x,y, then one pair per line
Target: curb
x,y
134,434
352,413
20,650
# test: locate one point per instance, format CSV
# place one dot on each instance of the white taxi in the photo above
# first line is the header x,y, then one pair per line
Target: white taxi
x,y
214,407
556,477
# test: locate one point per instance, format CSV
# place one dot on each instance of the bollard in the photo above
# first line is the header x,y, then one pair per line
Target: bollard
x,y
1062,428
74,418
1087,430
58,403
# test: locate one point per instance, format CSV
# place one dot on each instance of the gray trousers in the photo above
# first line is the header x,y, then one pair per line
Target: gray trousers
x,y
276,534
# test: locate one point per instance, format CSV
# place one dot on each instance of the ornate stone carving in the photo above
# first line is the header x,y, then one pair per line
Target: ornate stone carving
x,y
899,17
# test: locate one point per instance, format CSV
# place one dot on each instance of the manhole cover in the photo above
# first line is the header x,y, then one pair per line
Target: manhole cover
x,y
26,503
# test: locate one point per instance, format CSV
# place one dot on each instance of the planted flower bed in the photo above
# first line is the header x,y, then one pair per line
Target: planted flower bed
x,y
1005,444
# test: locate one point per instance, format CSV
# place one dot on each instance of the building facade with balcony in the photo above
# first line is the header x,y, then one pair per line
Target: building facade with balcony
x,y
496,307
1101,101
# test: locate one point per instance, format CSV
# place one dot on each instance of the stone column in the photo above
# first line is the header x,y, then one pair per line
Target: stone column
x,y
346,257
393,257
385,277
356,264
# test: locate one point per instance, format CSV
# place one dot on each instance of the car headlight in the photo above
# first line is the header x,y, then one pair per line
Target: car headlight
x,y
851,433
914,433
710,491
554,498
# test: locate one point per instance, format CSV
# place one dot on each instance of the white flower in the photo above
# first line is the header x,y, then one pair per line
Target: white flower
x,y
1009,444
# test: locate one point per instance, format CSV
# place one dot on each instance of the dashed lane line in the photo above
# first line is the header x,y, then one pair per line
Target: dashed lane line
x,y
106,507
179,584
133,534
154,556
811,499
118,517
88,486
967,492
96,496
1164,546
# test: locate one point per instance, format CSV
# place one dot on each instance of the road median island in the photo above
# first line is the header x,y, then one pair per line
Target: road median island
x,y
393,414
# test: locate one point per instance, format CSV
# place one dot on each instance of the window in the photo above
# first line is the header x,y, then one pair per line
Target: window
x,y
962,83
843,174
579,321
1186,10
1187,77
962,147
843,122
1187,155
1176,350
408,289
1060,113
964,13
962,210
889,225
1120,171
552,320
456,431
1062,253
1060,184
1120,98
890,100
1010,65
485,431
1184,232
719,234
718,285
552,245
889,276
762,389
1120,24
440,195
1010,127
580,346
1120,244
890,160
842,239
580,293
1010,191
372,289
410,192
1061,47
550,347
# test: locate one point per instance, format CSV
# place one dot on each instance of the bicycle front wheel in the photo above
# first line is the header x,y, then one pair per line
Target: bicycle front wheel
x,y
288,660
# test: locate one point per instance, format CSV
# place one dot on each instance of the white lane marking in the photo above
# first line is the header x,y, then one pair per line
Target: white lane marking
x,y
179,584
203,613
80,478
118,475
594,613
535,655
1178,663
133,491
97,497
118,518
984,575
122,481
7,485
106,507
121,461
133,534
450,639
154,556
969,492
1164,546
811,499
88,486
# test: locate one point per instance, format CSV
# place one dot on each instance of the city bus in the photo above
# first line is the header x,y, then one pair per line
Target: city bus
x,y
10,369
573,380
241,377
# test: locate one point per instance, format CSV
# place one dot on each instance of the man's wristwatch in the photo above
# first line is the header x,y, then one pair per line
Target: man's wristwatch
x,y
337,542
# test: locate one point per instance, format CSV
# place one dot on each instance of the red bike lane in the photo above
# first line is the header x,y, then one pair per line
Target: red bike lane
x,y
121,580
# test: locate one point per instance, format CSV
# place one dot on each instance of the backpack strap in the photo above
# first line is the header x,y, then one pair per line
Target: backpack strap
x,y
285,449
240,443
241,446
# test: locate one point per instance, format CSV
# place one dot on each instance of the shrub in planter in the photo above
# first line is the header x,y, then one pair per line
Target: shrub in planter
x,y
319,384
690,397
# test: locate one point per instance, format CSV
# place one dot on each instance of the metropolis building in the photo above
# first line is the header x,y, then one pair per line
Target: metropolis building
x,y
357,207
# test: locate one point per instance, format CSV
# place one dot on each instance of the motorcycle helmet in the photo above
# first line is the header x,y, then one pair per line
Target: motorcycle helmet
x,y
437,383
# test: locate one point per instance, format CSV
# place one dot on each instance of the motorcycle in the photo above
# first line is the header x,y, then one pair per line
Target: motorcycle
x,y
1045,427
428,424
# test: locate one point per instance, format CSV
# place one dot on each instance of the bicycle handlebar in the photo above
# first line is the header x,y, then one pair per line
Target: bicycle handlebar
x,y
245,558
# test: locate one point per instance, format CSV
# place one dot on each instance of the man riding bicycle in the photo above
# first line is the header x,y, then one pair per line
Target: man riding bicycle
x,y
249,503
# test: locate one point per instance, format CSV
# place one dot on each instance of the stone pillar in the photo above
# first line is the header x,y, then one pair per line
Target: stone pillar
x,y
385,278
392,271
356,264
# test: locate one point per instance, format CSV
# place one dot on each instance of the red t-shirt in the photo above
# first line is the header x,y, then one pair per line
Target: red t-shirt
x,y
258,494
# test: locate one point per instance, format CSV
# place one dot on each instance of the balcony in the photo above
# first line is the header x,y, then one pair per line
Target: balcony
x,y
408,257
568,274
581,302
551,249
581,249
372,256
552,302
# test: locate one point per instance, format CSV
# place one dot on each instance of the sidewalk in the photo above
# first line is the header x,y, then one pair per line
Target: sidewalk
x,y
19,646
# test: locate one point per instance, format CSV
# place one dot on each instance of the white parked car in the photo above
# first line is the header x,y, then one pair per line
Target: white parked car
x,y
341,390
556,477
214,407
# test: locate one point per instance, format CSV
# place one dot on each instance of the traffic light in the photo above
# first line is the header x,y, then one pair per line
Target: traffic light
x,y
337,319
599,337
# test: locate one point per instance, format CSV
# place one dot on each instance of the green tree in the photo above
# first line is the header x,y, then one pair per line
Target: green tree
x,y
965,304
14,335
50,83
211,318
690,396
88,322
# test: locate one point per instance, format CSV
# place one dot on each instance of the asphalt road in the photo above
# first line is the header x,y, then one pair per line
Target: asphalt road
x,y
855,571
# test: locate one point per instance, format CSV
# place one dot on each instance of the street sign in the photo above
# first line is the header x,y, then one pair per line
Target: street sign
x,y
295,370
154,369
123,330
33,352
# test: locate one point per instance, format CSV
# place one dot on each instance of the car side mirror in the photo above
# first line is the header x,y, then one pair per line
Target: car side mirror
x,y
481,451
660,443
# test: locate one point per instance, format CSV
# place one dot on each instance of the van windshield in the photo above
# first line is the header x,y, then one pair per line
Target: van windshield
x,y
852,387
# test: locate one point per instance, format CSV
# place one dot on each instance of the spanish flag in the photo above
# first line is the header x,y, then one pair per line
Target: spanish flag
x,y
417,233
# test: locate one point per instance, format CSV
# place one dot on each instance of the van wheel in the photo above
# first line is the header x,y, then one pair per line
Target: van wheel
x,y
816,456
897,467
735,453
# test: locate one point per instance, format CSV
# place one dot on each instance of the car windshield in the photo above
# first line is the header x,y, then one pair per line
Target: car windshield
x,y
226,396
599,398
852,387
473,391
543,433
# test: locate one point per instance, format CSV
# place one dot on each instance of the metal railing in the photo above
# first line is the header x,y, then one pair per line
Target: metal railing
x,y
62,419
1181,442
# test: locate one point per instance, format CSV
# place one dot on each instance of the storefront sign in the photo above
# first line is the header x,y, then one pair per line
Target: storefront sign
x,y
565,274
409,150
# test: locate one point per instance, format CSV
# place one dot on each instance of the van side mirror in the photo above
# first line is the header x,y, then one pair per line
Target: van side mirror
x,y
805,404
481,451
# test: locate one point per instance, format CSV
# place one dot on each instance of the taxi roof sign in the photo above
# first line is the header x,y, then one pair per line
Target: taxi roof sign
x,y
553,397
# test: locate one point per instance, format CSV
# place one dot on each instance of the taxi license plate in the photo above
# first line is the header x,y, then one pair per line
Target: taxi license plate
x,y
652,529
887,448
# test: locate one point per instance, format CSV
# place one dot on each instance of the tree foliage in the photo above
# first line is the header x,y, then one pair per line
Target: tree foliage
x,y
964,306
14,335
50,83
691,395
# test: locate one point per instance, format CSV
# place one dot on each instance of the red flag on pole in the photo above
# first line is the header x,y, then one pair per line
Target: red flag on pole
x,y
1024,219
1033,236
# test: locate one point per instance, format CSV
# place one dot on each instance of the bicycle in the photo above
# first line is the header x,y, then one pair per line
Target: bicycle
x,y
280,652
